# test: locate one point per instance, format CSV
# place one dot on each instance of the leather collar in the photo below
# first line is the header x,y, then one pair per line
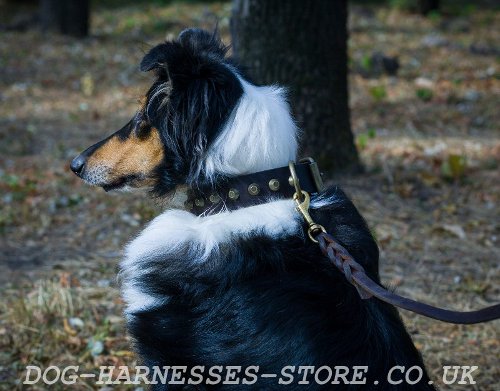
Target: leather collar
x,y
253,189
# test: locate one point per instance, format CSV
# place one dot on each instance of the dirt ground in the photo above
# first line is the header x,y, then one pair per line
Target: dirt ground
x,y
428,137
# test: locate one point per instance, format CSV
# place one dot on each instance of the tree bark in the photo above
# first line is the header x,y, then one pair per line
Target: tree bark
x,y
302,45
69,17
51,14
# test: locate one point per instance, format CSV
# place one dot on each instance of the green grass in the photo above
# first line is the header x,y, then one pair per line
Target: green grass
x,y
424,94
378,93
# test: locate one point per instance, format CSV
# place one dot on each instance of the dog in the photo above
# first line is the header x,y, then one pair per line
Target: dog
x,y
228,295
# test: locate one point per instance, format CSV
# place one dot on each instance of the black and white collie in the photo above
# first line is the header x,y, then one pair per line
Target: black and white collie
x,y
242,287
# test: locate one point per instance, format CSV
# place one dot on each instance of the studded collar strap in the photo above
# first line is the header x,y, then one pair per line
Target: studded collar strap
x,y
252,189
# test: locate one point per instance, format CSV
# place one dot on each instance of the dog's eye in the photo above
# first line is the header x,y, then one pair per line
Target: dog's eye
x,y
142,129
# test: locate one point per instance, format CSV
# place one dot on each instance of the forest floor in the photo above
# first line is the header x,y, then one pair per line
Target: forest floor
x,y
428,138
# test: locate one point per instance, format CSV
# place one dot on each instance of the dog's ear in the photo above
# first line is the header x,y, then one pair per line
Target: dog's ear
x,y
202,43
155,58
186,55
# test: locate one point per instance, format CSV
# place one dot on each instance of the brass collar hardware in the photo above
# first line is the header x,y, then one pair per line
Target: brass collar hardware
x,y
214,198
303,208
316,174
303,201
294,181
233,194
274,184
257,188
253,189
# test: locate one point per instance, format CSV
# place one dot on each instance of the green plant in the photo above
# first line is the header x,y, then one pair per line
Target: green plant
x,y
362,139
454,167
434,16
366,63
424,94
378,93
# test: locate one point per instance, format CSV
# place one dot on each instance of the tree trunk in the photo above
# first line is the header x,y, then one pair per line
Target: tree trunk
x,y
426,6
302,45
69,17
51,14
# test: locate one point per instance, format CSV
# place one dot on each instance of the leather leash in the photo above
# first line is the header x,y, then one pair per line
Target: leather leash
x,y
365,286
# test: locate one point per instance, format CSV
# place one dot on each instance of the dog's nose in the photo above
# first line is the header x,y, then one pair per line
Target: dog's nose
x,y
77,164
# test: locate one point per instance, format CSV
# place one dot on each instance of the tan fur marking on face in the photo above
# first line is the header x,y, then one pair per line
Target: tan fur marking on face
x,y
132,156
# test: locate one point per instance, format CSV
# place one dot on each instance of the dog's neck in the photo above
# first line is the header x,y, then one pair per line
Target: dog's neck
x,y
246,164
259,135
252,189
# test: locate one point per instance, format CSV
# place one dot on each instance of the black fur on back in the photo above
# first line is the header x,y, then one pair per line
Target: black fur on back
x,y
272,303
196,89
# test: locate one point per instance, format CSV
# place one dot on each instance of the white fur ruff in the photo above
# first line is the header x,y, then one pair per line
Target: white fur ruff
x,y
168,233
259,135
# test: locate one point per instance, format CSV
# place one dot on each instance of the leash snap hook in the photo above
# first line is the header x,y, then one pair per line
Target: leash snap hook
x,y
303,207
303,201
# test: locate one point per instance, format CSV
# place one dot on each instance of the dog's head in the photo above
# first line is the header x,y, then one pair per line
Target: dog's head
x,y
199,120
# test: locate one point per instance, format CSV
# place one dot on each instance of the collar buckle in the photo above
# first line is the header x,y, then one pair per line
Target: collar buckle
x,y
316,174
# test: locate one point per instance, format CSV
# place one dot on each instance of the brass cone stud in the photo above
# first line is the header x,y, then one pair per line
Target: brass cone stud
x,y
253,189
214,198
233,194
274,184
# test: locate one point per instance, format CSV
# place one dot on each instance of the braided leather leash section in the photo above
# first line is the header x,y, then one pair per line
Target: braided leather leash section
x,y
368,288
